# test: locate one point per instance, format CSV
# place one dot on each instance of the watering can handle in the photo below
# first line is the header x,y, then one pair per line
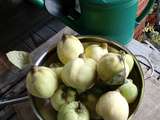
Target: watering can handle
x,y
145,11
64,10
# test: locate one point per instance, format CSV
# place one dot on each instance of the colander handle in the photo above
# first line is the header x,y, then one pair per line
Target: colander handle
x,y
150,65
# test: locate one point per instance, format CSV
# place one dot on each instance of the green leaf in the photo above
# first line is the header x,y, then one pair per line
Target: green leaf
x,y
19,58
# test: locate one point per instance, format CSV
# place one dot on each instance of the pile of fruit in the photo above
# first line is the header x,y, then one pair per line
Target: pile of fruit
x,y
90,83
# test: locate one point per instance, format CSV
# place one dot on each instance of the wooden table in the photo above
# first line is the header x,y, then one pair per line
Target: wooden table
x,y
148,110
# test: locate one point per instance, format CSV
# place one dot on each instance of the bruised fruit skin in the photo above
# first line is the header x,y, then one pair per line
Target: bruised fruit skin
x,y
69,48
63,95
79,73
41,82
96,51
73,111
129,91
111,65
119,78
112,106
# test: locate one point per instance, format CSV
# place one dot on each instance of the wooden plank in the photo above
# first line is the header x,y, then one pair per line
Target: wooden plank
x,y
7,112
4,66
13,117
24,20
24,111
11,76
45,33
56,25
7,71
29,42
16,89
36,39
21,46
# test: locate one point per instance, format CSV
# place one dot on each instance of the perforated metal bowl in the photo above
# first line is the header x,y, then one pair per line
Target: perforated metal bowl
x,y
43,109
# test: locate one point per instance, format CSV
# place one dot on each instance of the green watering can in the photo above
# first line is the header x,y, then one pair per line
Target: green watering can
x,y
113,19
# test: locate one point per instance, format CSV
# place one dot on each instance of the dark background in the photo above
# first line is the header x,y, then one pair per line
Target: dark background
x,y
20,20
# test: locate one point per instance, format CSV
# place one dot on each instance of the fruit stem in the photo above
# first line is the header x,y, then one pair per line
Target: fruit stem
x,y
122,52
79,108
64,37
104,45
120,58
34,69
64,94
64,88
82,56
